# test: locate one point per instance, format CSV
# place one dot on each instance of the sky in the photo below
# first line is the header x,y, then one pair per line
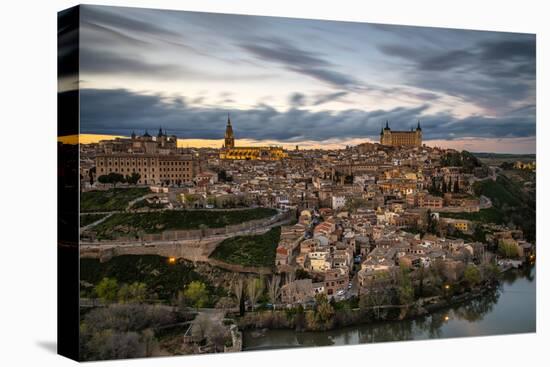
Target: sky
x,y
303,82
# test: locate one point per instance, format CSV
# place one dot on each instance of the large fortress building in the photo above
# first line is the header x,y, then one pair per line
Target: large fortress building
x,y
230,151
401,138
157,159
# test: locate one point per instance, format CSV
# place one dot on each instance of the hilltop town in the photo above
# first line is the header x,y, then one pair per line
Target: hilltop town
x,y
389,223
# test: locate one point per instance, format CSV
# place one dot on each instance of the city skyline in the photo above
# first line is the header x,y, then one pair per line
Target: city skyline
x,y
303,82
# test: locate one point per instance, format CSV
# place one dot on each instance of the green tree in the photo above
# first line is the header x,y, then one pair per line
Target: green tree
x,y
91,174
323,309
421,275
472,275
135,292
376,294
490,271
196,293
238,290
434,188
111,178
405,290
274,289
508,248
302,274
133,178
107,289
254,289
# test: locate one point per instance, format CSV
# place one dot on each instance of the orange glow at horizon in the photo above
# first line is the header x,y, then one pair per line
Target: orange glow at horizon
x,y
502,145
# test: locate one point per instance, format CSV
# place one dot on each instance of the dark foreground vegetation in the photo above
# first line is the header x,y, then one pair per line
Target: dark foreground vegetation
x,y
162,281
512,204
124,330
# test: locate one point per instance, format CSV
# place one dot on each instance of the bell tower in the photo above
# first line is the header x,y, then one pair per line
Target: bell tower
x,y
229,138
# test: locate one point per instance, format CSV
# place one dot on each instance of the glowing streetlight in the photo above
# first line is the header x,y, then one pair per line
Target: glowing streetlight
x,y
446,318
171,260
447,287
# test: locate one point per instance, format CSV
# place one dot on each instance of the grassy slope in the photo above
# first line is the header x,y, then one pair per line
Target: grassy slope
x,y
250,250
90,218
109,200
490,215
156,222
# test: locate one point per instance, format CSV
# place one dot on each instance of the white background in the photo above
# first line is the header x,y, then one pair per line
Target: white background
x,y
28,181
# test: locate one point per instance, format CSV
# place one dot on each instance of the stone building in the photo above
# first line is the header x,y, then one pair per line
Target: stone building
x,y
401,138
154,169
156,159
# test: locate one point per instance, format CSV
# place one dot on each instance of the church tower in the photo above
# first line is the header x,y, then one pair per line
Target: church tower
x,y
385,135
229,138
418,134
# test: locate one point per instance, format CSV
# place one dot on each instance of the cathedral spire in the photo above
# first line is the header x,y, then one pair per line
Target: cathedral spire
x,y
229,137
418,126
387,125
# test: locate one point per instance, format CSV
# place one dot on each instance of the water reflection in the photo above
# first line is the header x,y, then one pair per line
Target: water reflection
x,y
508,309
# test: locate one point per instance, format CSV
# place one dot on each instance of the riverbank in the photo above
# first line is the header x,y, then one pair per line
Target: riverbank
x,y
509,308
306,320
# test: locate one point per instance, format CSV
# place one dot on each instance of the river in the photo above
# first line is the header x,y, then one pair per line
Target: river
x,y
509,310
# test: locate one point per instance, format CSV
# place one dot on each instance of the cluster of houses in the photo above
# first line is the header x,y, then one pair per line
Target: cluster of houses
x,y
361,245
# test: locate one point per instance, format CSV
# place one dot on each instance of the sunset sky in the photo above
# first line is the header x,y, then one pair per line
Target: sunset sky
x,y
306,82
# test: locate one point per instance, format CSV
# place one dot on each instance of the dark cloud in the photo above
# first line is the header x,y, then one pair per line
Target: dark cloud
x,y
324,98
491,74
299,61
107,62
404,52
101,35
102,16
119,111
446,61
297,99
519,49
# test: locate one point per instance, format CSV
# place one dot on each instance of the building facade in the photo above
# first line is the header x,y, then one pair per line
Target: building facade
x,y
401,138
156,159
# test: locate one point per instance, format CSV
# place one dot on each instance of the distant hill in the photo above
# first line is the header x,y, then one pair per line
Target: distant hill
x,y
506,156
